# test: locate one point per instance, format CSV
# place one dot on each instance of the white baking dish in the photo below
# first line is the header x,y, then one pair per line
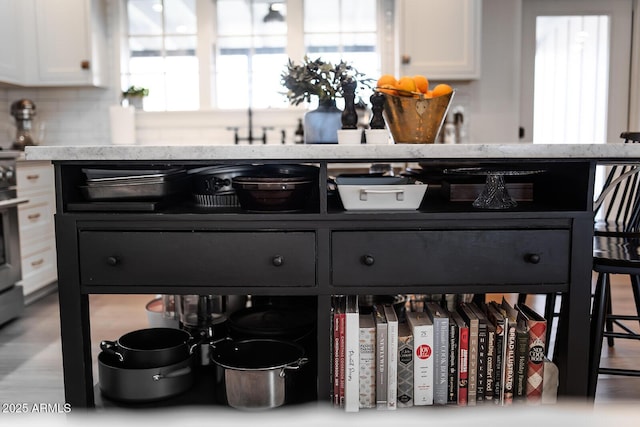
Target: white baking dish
x,y
382,197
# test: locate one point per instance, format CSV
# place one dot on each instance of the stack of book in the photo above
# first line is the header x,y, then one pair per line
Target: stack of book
x,y
476,354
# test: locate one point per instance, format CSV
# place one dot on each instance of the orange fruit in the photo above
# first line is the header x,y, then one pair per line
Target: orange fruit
x,y
406,84
422,84
386,79
388,89
441,89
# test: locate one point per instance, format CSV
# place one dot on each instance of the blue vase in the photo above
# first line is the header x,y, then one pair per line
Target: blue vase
x,y
321,125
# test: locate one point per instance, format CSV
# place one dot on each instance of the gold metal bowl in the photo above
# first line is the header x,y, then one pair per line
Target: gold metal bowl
x,y
415,120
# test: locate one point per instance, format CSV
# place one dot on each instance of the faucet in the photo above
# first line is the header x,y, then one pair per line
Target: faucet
x,y
250,138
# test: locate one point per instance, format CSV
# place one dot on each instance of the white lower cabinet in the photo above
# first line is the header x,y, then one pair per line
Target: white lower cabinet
x,y
37,229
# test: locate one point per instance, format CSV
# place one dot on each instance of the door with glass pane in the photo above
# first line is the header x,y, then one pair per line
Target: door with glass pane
x,y
575,70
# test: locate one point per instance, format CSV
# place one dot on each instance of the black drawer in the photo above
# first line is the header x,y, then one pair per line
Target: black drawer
x,y
386,258
175,258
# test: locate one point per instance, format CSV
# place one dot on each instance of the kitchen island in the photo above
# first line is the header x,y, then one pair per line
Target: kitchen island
x,y
542,245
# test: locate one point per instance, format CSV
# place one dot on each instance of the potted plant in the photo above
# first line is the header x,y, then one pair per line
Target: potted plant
x,y
324,80
134,95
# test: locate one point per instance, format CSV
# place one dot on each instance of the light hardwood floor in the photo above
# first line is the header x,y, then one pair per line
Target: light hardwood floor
x,y
30,350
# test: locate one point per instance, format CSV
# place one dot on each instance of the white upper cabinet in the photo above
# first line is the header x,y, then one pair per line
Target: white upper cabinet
x,y
10,69
440,39
62,42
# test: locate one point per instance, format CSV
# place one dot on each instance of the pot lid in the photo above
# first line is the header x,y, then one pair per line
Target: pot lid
x,y
271,321
256,354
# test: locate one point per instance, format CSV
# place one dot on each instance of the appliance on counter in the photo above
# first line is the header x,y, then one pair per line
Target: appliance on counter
x,y
27,133
11,295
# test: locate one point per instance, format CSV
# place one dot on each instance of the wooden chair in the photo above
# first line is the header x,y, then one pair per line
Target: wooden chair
x,y
616,250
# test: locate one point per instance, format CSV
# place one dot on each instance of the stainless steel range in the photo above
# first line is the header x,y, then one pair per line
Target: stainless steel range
x,y
11,295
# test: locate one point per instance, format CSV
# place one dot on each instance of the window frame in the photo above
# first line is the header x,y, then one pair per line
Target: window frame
x,y
206,15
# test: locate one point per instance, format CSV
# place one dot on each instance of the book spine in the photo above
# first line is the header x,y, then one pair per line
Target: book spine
x,y
463,366
473,363
482,363
392,363
535,369
423,365
452,380
522,356
498,396
510,364
491,368
352,360
440,360
341,343
381,365
405,368
335,344
367,367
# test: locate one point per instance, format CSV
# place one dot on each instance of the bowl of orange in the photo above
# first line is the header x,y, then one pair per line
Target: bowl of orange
x,y
413,112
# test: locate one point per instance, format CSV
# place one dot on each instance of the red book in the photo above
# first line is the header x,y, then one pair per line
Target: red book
x,y
537,329
463,358
341,318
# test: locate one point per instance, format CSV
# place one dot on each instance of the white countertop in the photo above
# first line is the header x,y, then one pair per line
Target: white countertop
x,y
338,153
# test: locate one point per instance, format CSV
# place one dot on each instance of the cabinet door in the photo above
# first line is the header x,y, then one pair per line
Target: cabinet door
x,y
9,43
68,42
440,38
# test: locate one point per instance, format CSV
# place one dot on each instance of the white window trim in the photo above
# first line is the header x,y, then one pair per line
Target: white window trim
x,y
206,45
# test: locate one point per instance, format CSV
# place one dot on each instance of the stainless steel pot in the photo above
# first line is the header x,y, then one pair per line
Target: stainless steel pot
x,y
143,385
150,348
255,370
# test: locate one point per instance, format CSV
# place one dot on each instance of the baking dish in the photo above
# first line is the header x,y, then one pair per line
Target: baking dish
x,y
382,197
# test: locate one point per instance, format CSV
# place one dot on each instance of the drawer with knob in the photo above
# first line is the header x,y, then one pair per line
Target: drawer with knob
x,y
34,176
36,216
449,257
202,258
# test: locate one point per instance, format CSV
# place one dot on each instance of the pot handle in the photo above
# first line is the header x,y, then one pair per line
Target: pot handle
x,y
172,374
297,364
195,342
109,347
293,366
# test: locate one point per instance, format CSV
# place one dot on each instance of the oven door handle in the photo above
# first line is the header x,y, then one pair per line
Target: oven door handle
x,y
10,203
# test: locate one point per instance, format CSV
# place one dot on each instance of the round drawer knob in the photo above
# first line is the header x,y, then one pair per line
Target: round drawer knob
x,y
277,260
532,258
368,260
112,260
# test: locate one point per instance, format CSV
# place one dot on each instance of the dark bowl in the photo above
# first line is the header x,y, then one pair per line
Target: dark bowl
x,y
274,193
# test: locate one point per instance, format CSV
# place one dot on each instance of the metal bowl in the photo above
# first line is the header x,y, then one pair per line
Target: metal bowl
x,y
415,120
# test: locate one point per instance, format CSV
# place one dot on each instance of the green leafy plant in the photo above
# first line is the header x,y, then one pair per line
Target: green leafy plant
x,y
319,78
135,91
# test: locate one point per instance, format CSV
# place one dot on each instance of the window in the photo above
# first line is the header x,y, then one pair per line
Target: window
x,y
252,51
247,44
162,39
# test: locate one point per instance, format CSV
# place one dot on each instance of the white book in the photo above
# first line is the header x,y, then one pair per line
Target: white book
x,y
352,356
367,361
422,329
392,357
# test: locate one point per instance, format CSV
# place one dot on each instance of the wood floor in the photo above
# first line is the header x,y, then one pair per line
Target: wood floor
x,y
30,350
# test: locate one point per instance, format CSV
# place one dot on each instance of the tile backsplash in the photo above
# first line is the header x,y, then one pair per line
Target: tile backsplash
x,y
71,116
80,116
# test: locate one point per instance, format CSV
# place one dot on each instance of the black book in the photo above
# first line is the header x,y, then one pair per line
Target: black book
x,y
470,318
497,320
454,333
522,359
